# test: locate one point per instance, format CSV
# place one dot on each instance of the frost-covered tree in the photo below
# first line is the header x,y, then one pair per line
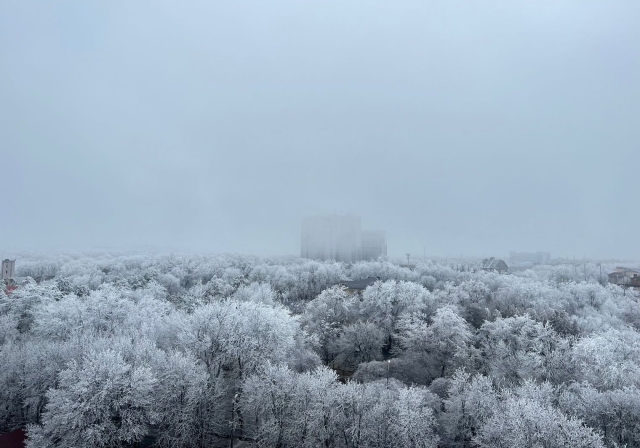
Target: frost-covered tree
x,y
325,316
359,342
516,348
239,337
609,360
290,409
102,401
470,402
256,292
474,298
615,413
195,350
441,345
385,302
415,423
313,409
29,369
524,422
178,397
19,307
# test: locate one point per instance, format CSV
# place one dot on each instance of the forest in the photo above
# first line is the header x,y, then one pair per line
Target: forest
x,y
117,350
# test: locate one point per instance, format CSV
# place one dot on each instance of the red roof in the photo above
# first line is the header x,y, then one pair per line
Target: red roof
x,y
13,439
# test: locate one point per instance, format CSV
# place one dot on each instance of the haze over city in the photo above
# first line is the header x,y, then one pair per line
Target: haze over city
x,y
337,224
217,127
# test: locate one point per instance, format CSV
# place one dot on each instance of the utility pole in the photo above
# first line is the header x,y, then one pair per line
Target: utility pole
x,y
600,272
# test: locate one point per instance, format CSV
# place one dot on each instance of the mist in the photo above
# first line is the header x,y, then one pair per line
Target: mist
x,y
458,127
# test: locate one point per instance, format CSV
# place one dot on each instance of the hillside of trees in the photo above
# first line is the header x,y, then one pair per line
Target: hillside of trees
x,y
187,351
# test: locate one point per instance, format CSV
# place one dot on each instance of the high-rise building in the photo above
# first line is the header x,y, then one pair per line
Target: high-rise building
x,y
340,238
8,268
374,244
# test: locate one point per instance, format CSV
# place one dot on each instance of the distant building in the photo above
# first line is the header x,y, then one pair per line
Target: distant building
x,y
374,244
495,265
625,277
357,286
530,257
340,238
8,269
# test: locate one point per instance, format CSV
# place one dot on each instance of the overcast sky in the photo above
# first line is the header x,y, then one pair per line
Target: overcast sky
x,y
467,127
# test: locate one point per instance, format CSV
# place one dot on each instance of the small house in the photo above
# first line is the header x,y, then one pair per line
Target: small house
x,y
625,277
495,265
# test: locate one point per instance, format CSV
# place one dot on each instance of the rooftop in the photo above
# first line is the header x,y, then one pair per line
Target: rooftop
x,y
359,284
491,263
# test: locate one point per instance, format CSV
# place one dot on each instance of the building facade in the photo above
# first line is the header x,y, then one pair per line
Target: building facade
x,y
625,277
340,238
374,244
8,269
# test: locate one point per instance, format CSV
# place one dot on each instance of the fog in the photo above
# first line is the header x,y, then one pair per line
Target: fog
x,y
470,128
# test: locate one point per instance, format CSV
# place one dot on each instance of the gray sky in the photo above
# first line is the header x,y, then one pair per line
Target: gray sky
x,y
468,127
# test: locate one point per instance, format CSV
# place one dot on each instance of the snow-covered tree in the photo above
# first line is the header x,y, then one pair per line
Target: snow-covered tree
x,y
359,342
102,401
415,422
609,360
178,398
524,422
516,348
325,316
240,336
615,413
470,402
440,346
